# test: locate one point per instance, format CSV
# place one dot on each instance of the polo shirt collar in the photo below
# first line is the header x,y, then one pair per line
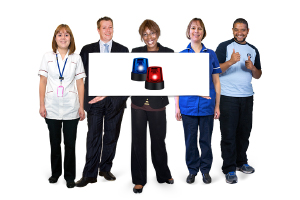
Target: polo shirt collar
x,y
58,54
189,47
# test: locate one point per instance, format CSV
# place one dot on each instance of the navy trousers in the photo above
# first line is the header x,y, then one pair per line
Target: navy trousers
x,y
157,125
235,125
112,113
195,162
69,129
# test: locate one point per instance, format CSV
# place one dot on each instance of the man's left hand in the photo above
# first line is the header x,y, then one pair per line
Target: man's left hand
x,y
249,64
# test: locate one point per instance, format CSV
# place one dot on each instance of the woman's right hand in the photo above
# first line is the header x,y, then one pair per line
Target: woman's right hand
x,y
178,114
43,111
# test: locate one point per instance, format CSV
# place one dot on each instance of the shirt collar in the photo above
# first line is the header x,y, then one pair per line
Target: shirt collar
x,y
102,43
58,54
189,47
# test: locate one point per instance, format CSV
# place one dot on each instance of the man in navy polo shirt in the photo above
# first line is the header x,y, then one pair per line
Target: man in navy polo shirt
x,y
239,62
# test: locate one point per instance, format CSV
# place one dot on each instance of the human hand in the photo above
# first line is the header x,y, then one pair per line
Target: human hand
x,y
206,97
178,114
43,111
235,57
249,64
81,113
217,113
96,99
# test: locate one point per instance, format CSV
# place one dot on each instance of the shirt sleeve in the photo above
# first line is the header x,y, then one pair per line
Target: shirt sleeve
x,y
257,60
221,52
79,73
44,66
215,63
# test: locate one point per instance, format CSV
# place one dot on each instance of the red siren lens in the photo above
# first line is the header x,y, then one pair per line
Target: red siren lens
x,y
154,75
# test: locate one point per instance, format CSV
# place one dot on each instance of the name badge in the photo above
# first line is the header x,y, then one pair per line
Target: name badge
x,y
60,91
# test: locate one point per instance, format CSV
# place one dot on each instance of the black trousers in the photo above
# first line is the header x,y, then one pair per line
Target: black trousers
x,y
69,132
236,125
157,125
112,115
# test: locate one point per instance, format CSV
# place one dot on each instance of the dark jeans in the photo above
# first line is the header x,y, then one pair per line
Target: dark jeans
x,y
157,125
193,161
69,132
112,124
235,124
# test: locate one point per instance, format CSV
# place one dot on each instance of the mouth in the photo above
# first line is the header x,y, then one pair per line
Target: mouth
x,y
240,37
63,42
150,42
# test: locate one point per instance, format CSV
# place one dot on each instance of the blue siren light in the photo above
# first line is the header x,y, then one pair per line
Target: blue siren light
x,y
139,69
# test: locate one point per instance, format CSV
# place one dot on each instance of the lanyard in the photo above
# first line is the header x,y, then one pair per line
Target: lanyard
x,y
61,74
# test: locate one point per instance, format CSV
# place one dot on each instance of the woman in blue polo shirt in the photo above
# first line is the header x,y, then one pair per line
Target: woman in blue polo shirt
x,y
197,111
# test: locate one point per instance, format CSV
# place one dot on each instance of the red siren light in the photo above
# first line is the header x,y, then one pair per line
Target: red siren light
x,y
154,79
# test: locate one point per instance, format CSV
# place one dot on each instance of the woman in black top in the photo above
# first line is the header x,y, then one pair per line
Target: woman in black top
x,y
153,110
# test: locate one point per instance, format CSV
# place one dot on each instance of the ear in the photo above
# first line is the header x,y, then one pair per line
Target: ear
x,y
98,30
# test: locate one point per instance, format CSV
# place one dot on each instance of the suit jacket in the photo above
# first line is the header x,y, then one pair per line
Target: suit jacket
x,y
84,53
155,102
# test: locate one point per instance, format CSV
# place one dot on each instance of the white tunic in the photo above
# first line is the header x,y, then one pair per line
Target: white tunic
x,y
66,107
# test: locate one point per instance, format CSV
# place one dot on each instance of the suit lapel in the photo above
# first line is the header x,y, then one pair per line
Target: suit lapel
x,y
96,47
114,47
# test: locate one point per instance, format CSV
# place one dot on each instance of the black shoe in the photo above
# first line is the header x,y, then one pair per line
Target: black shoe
x,y
108,176
136,191
191,178
53,179
170,181
70,184
206,178
85,180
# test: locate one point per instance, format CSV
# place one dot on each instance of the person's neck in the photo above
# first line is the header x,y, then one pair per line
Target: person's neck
x,y
62,52
155,48
105,41
196,46
244,42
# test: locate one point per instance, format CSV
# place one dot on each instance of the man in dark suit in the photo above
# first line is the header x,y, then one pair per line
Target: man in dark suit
x,y
97,108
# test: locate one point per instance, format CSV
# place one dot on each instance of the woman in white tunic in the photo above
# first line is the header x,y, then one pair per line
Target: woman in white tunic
x,y
60,103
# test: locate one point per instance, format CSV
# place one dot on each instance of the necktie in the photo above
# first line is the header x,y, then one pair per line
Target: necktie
x,y
106,48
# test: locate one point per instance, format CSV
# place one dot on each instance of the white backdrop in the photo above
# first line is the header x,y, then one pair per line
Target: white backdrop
x,y
27,29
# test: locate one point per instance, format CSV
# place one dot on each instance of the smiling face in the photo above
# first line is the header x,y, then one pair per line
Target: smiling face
x,y
105,31
150,39
240,32
196,32
62,39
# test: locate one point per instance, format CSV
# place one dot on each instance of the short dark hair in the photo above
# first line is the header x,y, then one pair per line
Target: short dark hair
x,y
240,20
72,46
190,24
151,25
104,18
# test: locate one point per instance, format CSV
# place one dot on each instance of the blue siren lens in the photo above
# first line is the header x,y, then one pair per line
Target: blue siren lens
x,y
140,66
139,69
